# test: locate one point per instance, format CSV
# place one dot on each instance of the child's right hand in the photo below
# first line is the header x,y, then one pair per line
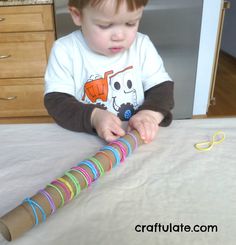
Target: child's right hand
x,y
107,125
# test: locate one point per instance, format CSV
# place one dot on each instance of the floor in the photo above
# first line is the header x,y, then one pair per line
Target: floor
x,y
225,88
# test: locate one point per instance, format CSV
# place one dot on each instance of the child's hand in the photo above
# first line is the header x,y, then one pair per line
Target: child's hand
x,y
146,122
107,125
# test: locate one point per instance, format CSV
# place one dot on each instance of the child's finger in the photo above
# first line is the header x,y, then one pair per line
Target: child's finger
x,y
141,129
117,130
113,133
150,131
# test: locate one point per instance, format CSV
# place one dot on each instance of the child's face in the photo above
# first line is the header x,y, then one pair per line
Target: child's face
x,y
106,31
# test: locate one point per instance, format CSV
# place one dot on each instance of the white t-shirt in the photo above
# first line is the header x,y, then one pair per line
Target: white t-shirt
x,y
117,83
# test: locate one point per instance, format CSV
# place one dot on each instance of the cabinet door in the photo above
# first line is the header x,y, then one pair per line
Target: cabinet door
x,y
24,54
22,98
26,18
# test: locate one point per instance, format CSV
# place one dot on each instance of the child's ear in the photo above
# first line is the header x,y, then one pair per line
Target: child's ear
x,y
76,15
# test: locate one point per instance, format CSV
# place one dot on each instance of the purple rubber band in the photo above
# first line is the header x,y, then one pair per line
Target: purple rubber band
x,y
134,138
50,200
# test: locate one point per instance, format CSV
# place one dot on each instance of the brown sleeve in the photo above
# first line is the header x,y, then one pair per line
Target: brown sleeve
x,y
160,98
69,113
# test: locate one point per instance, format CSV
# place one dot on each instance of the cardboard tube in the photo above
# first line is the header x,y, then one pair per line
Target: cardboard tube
x,y
21,219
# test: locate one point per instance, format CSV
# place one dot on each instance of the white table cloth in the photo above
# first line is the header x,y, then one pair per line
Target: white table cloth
x,y
166,181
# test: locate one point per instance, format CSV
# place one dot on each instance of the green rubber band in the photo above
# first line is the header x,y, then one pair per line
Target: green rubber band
x,y
81,174
61,195
98,164
75,182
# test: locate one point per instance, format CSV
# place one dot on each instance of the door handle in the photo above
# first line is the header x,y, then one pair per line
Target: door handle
x,y
8,98
5,56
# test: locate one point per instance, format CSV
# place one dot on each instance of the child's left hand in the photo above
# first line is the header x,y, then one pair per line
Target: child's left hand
x,y
146,122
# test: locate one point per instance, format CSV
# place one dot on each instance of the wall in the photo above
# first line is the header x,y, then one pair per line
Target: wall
x,y
210,21
229,33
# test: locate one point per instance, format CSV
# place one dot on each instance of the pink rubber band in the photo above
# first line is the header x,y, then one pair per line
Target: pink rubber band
x,y
89,179
64,187
122,149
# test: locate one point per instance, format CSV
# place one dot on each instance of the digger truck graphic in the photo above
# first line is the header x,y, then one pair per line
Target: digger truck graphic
x,y
121,90
97,89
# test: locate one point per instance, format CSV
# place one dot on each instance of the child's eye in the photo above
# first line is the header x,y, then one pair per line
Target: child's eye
x,y
131,24
104,26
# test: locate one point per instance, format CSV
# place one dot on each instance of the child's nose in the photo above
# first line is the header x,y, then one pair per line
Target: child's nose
x,y
118,35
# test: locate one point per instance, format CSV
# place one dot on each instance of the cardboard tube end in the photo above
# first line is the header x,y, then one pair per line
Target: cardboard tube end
x,y
5,231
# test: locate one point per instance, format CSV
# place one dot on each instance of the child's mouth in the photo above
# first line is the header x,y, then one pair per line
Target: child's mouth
x,y
116,49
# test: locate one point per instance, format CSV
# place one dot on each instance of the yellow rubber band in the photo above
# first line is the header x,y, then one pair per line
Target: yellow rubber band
x,y
217,138
69,187
75,182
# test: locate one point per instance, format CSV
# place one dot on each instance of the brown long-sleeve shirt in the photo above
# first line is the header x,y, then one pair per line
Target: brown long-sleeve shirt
x,y
74,115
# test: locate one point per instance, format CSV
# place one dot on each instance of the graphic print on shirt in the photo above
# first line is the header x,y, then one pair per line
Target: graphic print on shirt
x,y
96,87
122,99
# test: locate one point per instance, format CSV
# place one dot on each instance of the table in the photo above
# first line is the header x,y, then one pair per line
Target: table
x,y
162,184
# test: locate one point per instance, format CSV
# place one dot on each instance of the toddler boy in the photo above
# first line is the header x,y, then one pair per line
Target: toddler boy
x,y
108,72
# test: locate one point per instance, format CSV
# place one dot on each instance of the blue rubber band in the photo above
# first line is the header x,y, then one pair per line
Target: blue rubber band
x,y
34,204
126,142
91,167
114,151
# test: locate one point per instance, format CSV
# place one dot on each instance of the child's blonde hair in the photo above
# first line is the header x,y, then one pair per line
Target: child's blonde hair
x,y
132,4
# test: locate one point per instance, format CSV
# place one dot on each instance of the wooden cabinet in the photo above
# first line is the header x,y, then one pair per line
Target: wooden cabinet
x,y
26,37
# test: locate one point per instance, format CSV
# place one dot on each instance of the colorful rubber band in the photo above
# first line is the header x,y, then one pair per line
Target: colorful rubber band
x,y
68,185
33,204
84,173
64,187
123,151
207,145
91,166
60,193
134,138
114,151
75,182
107,156
50,200
98,164
126,142
84,177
